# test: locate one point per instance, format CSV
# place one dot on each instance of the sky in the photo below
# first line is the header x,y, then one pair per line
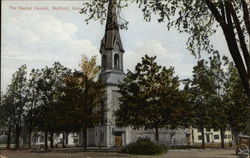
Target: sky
x,y
38,38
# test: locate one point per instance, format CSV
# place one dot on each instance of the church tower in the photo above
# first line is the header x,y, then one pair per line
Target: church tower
x,y
111,49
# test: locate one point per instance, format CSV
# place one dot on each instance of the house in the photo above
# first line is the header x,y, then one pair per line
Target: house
x,y
212,136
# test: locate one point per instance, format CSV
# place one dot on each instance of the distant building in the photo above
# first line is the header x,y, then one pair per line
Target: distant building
x,y
212,136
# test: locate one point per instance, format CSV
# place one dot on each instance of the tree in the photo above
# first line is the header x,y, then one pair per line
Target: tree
x,y
150,98
13,105
237,104
201,88
19,87
217,101
92,91
6,114
81,97
32,103
198,18
50,80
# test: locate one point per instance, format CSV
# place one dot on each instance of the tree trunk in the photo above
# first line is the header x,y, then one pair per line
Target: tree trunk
x,y
63,142
85,138
85,115
222,135
248,94
8,138
51,140
46,140
67,140
235,137
100,141
30,133
157,135
202,138
17,143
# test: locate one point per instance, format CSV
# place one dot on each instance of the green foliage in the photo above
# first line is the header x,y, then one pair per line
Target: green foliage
x,y
237,105
217,96
13,104
143,146
53,99
32,100
80,99
206,94
200,89
216,100
48,84
151,98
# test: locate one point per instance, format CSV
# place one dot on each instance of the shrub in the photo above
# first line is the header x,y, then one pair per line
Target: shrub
x,y
144,146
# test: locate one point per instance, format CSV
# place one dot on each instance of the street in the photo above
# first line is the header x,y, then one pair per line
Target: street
x,y
194,153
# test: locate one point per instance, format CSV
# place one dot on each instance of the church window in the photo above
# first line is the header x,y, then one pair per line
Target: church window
x,y
116,61
104,61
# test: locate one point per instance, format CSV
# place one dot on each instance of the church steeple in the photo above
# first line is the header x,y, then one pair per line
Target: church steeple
x,y
111,75
111,44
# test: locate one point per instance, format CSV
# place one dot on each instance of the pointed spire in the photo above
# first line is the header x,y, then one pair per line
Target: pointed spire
x,y
112,35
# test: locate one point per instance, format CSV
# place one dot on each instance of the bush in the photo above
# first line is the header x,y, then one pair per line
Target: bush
x,y
144,146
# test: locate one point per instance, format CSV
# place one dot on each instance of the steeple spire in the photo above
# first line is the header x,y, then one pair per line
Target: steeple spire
x,y
112,35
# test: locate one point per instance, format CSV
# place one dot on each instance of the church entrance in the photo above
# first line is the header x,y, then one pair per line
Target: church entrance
x,y
118,138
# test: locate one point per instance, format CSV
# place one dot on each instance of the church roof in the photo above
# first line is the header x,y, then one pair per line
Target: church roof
x,y
112,35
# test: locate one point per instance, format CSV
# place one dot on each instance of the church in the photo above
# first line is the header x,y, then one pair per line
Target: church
x,y
108,135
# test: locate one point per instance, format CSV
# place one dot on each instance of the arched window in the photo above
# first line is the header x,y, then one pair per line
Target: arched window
x,y
104,61
116,61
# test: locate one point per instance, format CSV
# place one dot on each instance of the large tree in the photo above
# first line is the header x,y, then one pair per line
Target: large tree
x,y
48,84
32,103
201,89
216,100
237,104
14,103
81,98
6,114
198,18
92,91
150,98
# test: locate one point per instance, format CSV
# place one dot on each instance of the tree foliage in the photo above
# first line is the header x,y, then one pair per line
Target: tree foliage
x,y
151,98
237,105
14,102
81,97
52,100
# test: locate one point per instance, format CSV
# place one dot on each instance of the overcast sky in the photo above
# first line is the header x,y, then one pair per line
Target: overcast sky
x,y
40,37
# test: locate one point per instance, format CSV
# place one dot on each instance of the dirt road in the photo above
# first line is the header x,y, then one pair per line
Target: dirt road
x,y
208,153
